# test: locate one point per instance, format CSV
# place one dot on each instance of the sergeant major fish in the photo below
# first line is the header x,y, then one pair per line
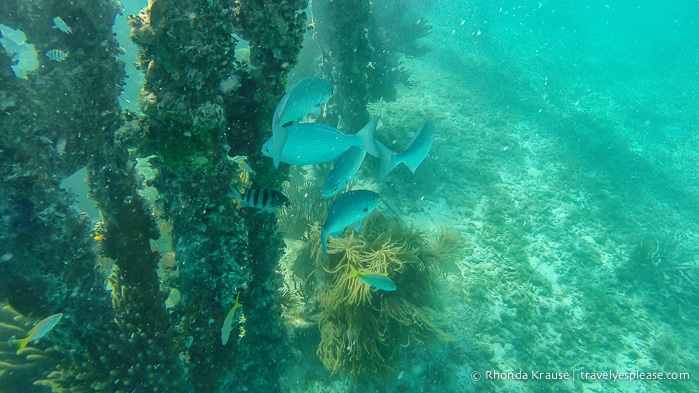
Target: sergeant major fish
x,y
261,198
38,331
56,54
304,97
314,143
378,281
412,156
349,208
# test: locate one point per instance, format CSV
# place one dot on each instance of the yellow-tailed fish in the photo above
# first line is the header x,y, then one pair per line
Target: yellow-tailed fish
x,y
62,25
244,166
378,281
56,54
38,331
228,322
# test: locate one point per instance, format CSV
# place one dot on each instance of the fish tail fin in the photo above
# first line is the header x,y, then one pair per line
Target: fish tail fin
x,y
387,160
22,344
378,110
353,271
418,149
368,133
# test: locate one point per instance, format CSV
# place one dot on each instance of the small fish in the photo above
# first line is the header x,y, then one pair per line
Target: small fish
x,y
261,198
62,25
349,208
378,281
348,164
412,156
228,322
56,54
244,166
242,163
38,331
304,97
315,143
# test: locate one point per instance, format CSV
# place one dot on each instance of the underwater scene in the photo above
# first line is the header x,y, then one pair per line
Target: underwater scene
x,y
349,196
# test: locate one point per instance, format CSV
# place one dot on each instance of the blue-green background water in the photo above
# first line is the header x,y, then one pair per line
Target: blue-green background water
x,y
570,145
567,156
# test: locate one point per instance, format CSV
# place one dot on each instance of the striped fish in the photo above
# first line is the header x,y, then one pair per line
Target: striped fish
x,y
261,198
62,25
56,54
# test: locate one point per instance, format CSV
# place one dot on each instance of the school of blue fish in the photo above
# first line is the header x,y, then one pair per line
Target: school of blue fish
x,y
304,143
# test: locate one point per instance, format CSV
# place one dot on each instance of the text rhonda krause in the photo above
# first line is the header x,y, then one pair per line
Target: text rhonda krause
x,y
584,375
524,375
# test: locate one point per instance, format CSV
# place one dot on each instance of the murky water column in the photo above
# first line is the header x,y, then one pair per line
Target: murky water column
x,y
204,105
341,26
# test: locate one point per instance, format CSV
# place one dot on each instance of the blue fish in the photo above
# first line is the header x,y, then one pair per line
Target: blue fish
x,y
315,143
378,281
304,97
348,164
412,156
349,208
343,171
62,25
56,54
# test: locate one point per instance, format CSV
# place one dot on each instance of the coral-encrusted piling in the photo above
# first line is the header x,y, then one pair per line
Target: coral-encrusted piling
x,y
342,27
61,118
203,106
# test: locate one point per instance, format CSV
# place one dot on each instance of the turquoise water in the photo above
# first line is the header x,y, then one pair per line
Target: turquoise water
x,y
566,158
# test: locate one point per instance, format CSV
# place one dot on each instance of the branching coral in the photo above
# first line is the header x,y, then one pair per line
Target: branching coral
x,y
128,353
362,331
